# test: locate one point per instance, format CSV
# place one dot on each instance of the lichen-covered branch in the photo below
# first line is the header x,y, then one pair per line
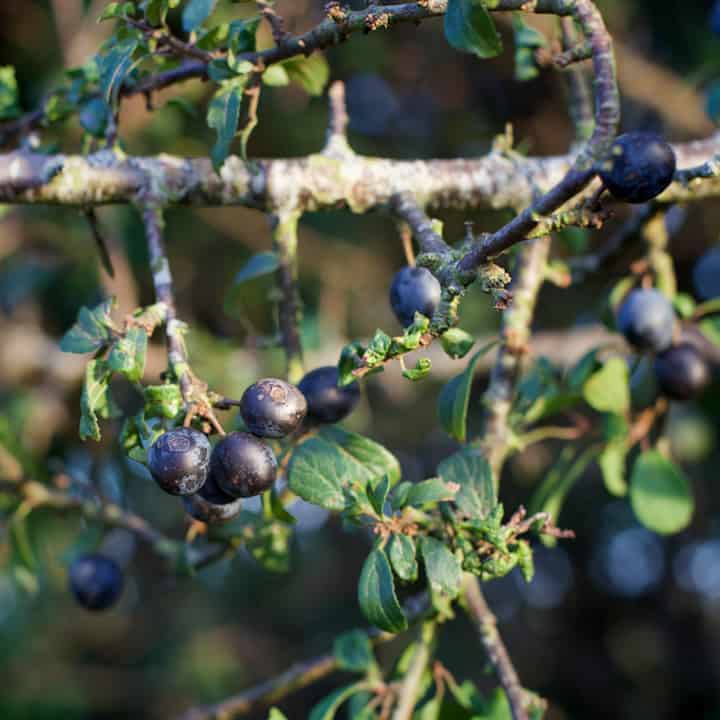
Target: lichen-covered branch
x,y
315,182
486,626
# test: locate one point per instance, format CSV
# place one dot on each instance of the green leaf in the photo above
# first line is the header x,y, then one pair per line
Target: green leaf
x,y
430,491
469,28
114,67
402,557
580,373
163,401
710,328
269,544
117,10
242,37
471,471
128,354
457,343
195,13
422,369
608,390
455,398
21,537
312,73
223,115
660,494
368,460
94,116
259,264
353,651
525,35
378,495
91,330
276,76
275,714
612,466
156,10
376,594
442,567
328,707
95,400
9,96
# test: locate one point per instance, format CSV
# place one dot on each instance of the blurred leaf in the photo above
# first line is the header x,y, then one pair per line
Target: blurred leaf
x,y
608,390
429,491
117,10
163,401
91,330
471,471
259,264
402,557
276,76
94,116
353,651
455,398
376,594
312,73
684,305
275,714
525,35
328,707
580,373
660,494
422,369
195,13
223,114
612,466
95,399
469,28
441,566
457,343
9,97
128,354
21,537
710,328
156,10
270,545
114,67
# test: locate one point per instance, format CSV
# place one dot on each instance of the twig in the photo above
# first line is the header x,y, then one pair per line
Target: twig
x,y
407,210
577,81
100,242
410,686
336,142
284,233
486,626
296,677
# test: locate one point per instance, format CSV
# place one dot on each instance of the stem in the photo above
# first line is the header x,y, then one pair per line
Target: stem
x,y
580,101
284,233
527,280
405,207
486,626
411,685
162,280
296,677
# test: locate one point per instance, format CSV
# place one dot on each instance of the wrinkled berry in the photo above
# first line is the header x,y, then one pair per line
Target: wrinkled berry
x,y
272,408
179,460
328,403
640,166
682,372
647,320
96,581
210,504
414,290
243,466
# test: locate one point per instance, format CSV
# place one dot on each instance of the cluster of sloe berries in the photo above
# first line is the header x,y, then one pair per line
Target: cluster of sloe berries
x,y
647,320
213,481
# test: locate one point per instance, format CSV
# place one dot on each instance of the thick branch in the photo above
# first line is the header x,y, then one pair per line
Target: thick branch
x,y
315,182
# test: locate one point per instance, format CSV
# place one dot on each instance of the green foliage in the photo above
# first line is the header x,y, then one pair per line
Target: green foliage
x,y
442,568
376,594
660,494
608,390
327,708
457,343
114,66
455,398
91,331
335,467
9,96
195,13
470,471
223,116
353,651
527,41
402,553
95,399
469,28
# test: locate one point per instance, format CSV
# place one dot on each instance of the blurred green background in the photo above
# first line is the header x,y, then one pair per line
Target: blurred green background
x,y
617,624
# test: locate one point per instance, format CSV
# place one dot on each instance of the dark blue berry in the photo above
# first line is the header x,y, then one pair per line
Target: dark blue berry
x,y
682,372
715,18
647,320
414,290
179,461
96,581
327,403
210,504
706,275
243,466
640,166
272,408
